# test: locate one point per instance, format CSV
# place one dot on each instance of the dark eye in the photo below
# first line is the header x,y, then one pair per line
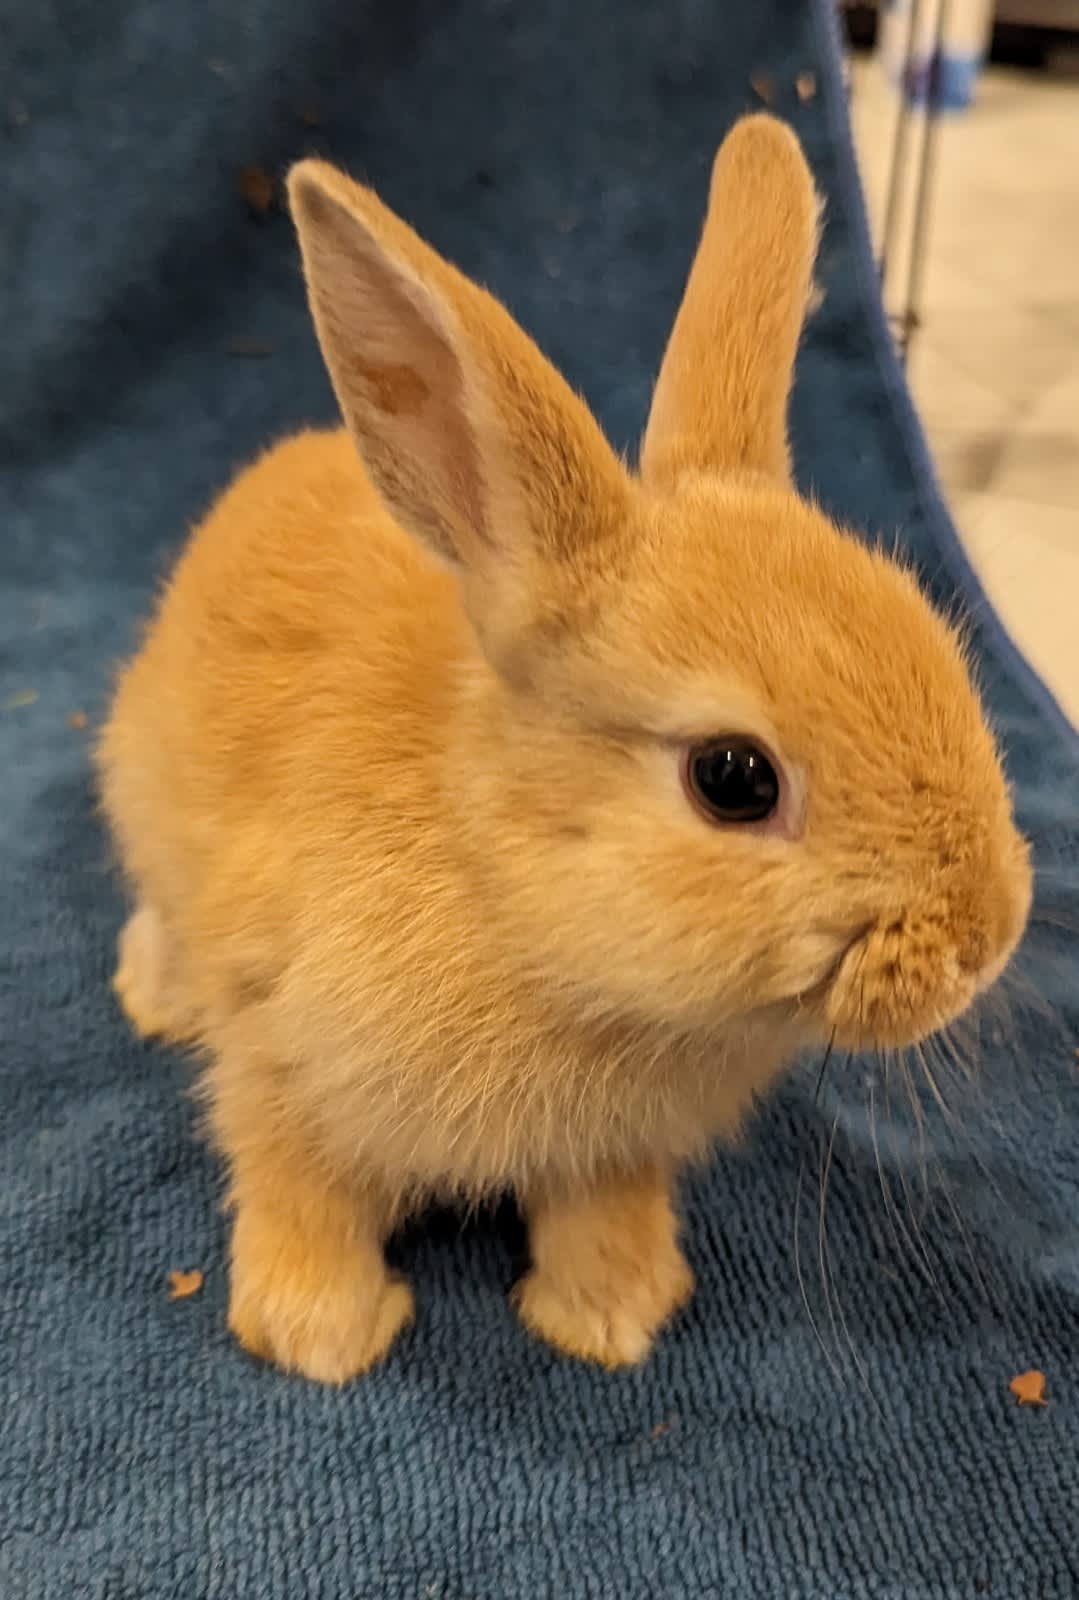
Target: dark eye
x,y
732,780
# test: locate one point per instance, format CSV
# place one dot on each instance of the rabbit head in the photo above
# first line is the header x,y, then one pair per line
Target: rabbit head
x,y
715,758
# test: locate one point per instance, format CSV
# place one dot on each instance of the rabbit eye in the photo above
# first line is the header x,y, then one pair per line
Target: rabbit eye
x,y
732,780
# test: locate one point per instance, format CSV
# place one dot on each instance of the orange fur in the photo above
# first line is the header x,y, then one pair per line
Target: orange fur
x,y
395,783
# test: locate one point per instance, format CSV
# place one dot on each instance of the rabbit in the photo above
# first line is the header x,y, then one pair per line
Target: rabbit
x,y
499,818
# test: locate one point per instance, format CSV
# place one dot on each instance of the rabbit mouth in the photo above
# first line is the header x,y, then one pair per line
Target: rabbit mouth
x,y
899,982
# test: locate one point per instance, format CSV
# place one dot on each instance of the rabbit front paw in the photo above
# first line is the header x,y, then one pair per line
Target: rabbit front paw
x,y
330,1336
607,1273
619,1333
312,1297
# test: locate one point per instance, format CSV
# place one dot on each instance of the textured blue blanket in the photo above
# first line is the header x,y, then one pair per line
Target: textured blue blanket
x,y
560,152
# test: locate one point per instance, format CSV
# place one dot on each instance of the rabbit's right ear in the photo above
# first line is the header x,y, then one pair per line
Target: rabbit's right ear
x,y
476,444
720,402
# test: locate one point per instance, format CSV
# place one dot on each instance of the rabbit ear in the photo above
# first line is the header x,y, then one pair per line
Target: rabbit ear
x,y
721,397
474,442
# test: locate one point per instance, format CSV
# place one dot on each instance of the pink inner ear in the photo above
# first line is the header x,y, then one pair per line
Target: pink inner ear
x,y
399,381
399,391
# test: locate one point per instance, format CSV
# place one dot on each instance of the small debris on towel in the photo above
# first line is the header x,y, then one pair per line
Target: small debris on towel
x,y
806,85
182,1285
76,719
22,697
1029,1388
254,348
258,190
763,87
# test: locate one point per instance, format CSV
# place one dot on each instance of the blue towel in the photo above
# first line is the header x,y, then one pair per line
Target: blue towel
x,y
851,1435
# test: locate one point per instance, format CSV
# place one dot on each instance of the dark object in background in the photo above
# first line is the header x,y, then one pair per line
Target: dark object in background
x,y
1026,33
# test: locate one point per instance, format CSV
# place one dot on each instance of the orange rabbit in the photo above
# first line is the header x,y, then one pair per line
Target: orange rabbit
x,y
498,818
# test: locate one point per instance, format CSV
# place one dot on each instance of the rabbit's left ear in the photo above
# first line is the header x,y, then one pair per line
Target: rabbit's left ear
x,y
720,402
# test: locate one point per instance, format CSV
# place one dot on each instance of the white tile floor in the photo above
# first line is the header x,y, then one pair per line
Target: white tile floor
x,y
995,367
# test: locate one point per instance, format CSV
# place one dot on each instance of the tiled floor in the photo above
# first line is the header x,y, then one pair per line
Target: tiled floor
x,y
995,367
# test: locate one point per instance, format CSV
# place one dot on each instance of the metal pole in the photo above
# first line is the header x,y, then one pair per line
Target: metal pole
x,y
899,145
933,108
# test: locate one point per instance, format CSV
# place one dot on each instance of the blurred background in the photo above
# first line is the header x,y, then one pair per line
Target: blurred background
x,y
966,122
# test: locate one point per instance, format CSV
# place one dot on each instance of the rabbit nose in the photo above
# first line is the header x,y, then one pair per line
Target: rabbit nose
x,y
1005,896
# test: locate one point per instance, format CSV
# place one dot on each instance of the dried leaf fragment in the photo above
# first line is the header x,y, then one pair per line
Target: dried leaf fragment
x,y
663,1427
1029,1388
76,719
806,85
182,1285
258,189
